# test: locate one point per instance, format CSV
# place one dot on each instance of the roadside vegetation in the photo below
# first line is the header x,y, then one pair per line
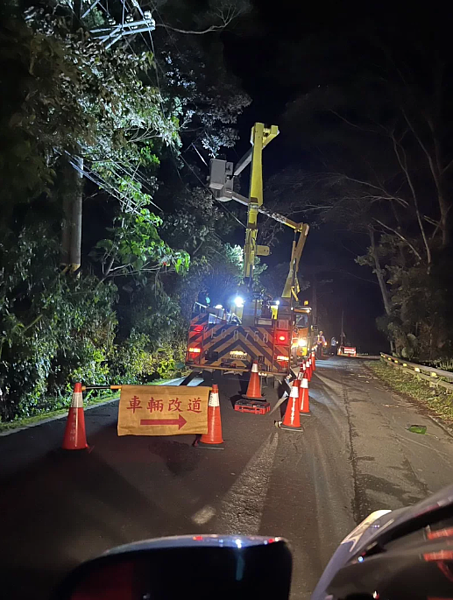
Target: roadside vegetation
x,y
377,129
107,232
437,399
90,400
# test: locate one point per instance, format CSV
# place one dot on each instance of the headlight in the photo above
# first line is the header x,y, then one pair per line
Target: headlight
x,y
302,342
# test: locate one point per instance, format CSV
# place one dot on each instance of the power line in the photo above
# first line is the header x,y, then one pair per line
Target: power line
x,y
178,50
126,168
139,8
93,175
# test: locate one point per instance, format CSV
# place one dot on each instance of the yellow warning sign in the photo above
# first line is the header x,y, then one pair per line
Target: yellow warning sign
x,y
163,410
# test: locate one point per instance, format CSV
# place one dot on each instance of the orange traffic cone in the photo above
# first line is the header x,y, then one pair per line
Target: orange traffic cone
x,y
304,398
308,370
213,439
313,360
254,387
74,435
291,420
301,372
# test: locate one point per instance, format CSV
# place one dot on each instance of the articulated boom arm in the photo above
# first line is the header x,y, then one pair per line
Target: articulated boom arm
x,y
292,287
221,181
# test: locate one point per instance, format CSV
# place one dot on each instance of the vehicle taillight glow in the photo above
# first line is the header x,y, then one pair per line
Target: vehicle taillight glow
x,y
195,350
440,555
282,358
282,337
441,533
197,328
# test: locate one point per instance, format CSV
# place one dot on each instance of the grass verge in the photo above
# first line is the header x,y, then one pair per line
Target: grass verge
x,y
439,401
51,414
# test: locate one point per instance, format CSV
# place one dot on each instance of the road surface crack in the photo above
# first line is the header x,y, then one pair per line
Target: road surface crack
x,y
359,502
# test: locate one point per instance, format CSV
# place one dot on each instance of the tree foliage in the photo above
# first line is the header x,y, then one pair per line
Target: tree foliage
x,y
129,111
377,130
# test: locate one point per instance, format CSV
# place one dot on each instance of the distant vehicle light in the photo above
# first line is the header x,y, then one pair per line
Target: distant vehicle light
x,y
349,351
239,302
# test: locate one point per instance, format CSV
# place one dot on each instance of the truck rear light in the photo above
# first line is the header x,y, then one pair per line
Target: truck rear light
x,y
197,328
194,354
282,337
282,358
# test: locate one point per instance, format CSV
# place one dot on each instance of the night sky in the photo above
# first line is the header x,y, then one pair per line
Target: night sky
x,y
258,52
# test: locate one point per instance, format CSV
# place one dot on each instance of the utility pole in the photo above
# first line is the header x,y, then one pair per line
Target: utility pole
x,y
342,336
71,235
314,301
77,14
75,248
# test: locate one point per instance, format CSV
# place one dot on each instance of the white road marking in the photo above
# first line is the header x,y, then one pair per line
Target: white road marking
x,y
204,515
195,381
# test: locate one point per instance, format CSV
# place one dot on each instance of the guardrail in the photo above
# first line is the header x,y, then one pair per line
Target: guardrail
x,y
436,377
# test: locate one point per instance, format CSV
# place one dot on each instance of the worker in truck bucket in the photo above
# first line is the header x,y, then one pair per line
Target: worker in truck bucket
x,y
320,343
333,346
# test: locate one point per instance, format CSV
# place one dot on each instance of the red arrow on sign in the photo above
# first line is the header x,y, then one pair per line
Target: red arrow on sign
x,y
179,422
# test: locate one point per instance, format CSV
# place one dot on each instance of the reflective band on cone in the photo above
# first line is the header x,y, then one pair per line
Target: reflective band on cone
x,y
77,400
304,398
308,371
291,420
213,439
313,361
75,435
214,396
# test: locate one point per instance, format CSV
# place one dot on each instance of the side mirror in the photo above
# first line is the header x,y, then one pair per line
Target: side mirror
x,y
209,567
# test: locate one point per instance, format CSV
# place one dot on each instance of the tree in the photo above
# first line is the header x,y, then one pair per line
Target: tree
x,y
73,108
135,248
376,138
218,16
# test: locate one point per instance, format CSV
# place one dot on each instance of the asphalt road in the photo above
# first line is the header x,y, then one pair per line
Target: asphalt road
x,y
355,455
